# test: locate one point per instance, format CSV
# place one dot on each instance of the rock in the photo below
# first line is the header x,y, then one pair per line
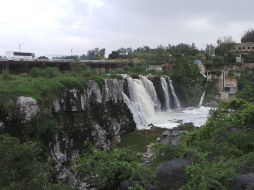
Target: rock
x,y
149,155
1,125
125,185
171,174
151,125
172,136
100,137
58,156
28,107
113,90
94,91
151,187
244,181
93,116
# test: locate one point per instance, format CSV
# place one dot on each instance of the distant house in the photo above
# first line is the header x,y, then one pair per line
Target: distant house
x,y
243,47
227,86
240,49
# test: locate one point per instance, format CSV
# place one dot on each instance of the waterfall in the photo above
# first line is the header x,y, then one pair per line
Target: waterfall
x,y
151,91
139,102
164,85
141,97
176,100
201,99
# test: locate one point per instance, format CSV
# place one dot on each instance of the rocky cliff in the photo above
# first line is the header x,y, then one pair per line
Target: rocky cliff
x,y
70,123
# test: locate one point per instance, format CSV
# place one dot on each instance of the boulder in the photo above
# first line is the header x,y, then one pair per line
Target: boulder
x,y
244,181
171,174
28,107
172,136
125,185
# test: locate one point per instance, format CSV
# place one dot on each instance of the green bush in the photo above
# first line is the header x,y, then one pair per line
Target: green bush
x,y
49,72
205,175
21,167
108,168
166,152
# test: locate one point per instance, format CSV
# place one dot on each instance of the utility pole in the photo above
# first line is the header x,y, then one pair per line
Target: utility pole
x,y
21,44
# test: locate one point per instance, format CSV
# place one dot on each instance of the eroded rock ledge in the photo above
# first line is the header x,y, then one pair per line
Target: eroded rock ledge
x,y
80,118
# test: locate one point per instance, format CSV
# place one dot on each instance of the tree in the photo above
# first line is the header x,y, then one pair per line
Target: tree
x,y
113,55
96,54
43,57
224,46
121,53
102,52
248,36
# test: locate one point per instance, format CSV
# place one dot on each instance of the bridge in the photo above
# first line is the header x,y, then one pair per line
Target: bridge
x,y
100,66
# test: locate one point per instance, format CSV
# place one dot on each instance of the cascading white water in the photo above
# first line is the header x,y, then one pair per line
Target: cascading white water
x,y
164,85
201,99
139,102
176,100
141,99
151,91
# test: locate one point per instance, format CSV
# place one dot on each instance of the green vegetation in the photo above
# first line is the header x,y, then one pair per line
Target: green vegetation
x,y
45,84
219,151
109,168
248,36
188,82
159,55
22,166
138,140
220,145
245,86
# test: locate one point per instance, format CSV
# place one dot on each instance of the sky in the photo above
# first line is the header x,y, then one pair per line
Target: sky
x,y
64,27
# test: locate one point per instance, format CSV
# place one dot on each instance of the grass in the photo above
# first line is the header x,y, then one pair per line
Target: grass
x,y
138,140
38,88
44,84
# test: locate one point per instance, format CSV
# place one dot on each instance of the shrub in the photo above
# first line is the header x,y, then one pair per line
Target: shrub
x,y
20,165
108,168
49,72
205,175
166,152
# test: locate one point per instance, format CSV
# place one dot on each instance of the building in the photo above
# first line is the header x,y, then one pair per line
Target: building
x,y
243,47
240,49
227,86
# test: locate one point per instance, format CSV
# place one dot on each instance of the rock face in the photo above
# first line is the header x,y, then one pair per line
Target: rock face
x,y
28,107
93,116
171,174
244,181
172,136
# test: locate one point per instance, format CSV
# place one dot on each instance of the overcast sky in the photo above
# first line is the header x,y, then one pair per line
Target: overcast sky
x,y
57,26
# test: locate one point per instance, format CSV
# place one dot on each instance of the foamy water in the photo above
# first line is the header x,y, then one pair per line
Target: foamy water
x,y
173,118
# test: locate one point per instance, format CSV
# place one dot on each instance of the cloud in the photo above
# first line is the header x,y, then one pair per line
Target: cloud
x,y
60,25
